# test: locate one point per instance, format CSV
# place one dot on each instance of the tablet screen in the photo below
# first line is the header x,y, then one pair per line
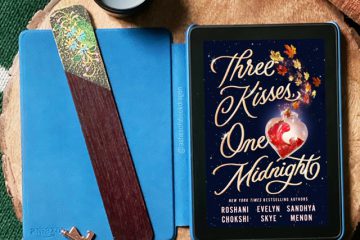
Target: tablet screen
x,y
265,133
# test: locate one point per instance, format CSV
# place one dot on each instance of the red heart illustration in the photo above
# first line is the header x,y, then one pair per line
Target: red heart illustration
x,y
286,135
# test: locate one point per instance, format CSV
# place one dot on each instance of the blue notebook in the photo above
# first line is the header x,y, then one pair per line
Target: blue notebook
x,y
148,76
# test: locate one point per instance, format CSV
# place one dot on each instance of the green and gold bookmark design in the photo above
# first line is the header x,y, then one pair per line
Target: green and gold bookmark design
x,y
101,124
77,45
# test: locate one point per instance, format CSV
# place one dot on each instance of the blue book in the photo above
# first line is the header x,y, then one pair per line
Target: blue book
x,y
148,77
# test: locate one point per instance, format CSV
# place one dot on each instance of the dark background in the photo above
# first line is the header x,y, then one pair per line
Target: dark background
x,y
311,54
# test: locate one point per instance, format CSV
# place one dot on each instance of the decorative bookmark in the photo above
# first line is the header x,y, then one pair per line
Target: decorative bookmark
x,y
101,124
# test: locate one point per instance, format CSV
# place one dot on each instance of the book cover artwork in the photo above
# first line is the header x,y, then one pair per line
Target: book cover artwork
x,y
265,128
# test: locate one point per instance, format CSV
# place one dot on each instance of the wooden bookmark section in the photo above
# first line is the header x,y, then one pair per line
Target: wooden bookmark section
x,y
101,124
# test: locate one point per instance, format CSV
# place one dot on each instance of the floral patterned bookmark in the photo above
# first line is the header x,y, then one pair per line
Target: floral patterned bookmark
x,y
77,45
101,124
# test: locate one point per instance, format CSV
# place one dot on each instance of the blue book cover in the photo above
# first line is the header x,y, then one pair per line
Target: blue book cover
x,y
59,185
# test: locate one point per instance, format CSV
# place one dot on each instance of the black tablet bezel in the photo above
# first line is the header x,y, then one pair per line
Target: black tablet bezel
x,y
196,37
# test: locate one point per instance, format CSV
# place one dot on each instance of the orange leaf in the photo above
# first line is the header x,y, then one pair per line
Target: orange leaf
x,y
307,87
287,112
316,81
295,105
290,50
282,70
306,99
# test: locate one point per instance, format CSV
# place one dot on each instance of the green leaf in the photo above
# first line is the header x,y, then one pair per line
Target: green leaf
x,y
77,58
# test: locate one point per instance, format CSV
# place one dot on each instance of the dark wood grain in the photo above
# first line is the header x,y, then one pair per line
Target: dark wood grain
x,y
111,160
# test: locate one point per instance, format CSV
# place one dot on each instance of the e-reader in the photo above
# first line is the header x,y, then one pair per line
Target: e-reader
x,y
266,145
